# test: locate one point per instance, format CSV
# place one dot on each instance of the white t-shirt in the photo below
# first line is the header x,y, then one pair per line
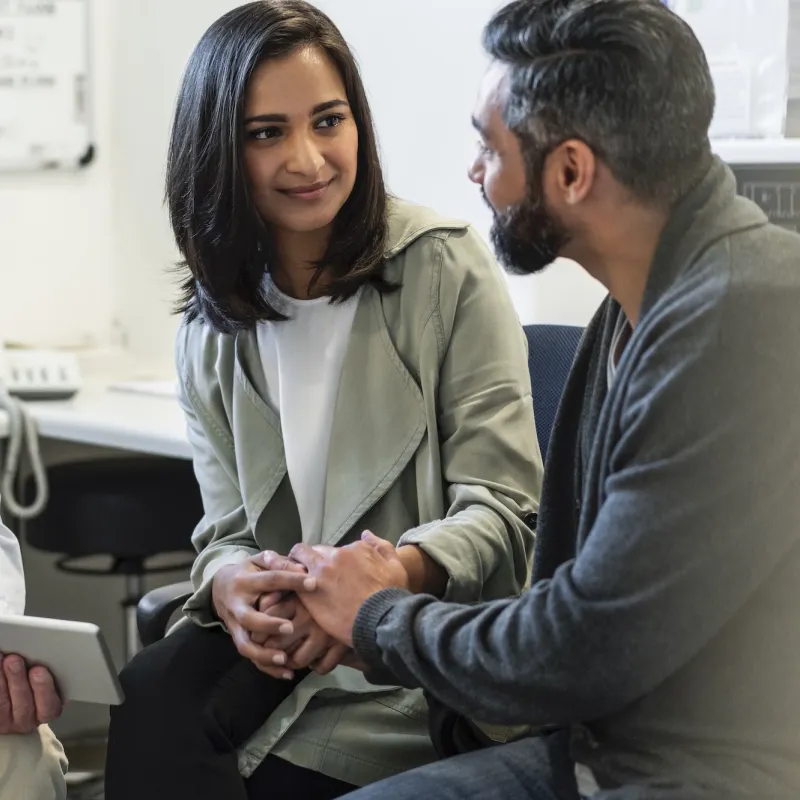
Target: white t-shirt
x,y
12,581
302,360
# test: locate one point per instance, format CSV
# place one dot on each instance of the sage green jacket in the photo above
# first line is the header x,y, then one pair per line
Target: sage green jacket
x,y
433,443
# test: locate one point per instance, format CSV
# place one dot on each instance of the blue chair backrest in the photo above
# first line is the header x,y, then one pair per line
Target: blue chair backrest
x,y
551,351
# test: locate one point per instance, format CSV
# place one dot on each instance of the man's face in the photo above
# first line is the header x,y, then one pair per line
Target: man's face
x,y
526,236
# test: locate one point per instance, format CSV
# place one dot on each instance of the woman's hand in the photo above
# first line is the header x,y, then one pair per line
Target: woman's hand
x,y
342,578
308,645
236,591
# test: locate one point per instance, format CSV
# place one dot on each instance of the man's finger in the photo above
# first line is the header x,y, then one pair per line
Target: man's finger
x,y
23,710
271,560
350,659
258,583
384,548
45,695
331,659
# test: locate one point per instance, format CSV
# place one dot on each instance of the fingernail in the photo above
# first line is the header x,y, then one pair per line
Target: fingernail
x,y
287,627
287,676
15,665
37,677
310,584
279,659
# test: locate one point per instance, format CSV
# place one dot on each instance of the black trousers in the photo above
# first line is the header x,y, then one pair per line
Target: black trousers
x,y
190,700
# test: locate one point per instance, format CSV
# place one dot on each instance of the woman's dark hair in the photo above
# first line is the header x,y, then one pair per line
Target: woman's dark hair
x,y
224,244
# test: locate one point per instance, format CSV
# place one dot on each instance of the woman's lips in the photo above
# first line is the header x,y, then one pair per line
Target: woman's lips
x,y
311,192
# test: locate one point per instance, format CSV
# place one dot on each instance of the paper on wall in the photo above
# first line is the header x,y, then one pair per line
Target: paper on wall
x,y
746,45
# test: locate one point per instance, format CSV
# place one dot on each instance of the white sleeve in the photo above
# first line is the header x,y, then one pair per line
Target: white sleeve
x,y
12,579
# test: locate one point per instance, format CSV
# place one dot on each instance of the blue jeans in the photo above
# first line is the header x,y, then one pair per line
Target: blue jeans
x,y
531,769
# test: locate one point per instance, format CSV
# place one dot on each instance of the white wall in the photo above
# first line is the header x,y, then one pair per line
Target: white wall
x,y
422,62
86,256
58,261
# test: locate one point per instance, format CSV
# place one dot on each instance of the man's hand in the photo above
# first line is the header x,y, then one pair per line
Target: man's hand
x,y
308,645
344,578
236,591
28,699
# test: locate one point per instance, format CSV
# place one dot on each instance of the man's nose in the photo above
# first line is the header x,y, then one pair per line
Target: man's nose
x,y
475,172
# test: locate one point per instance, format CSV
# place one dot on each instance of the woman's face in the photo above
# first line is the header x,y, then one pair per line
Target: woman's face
x,y
301,141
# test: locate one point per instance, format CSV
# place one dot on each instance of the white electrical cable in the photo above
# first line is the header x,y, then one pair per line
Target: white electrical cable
x,y
22,431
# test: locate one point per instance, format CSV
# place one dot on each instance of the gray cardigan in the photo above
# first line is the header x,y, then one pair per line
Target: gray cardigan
x,y
662,623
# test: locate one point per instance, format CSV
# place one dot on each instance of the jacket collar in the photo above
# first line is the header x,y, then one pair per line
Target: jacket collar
x,y
379,417
408,222
709,212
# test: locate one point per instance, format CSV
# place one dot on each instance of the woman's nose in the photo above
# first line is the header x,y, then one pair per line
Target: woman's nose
x,y
304,157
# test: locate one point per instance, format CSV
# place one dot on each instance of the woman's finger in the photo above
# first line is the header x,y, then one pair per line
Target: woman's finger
x,y
285,609
313,648
276,672
268,600
262,657
271,560
261,582
255,622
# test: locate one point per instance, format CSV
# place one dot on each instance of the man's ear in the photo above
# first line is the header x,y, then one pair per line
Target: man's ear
x,y
572,168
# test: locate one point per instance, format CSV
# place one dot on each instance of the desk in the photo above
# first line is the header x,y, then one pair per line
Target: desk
x,y
100,416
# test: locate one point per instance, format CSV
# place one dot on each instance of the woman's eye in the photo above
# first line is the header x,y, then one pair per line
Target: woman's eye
x,y
265,133
330,122
484,148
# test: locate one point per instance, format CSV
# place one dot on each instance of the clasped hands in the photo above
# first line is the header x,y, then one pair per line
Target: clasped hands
x,y
287,613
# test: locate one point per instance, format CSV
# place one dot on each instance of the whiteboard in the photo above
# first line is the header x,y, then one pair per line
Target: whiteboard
x,y
44,84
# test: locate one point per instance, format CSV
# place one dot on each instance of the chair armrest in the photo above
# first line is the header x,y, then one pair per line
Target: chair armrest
x,y
157,606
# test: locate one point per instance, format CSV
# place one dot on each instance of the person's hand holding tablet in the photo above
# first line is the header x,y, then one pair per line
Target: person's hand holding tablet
x,y
28,698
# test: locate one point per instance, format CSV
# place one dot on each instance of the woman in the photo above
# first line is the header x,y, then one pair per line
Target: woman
x,y
347,361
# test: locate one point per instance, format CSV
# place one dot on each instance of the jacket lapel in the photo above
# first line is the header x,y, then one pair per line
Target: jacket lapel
x,y
261,464
378,422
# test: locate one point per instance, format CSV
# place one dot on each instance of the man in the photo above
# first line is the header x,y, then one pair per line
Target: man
x,y
659,637
32,762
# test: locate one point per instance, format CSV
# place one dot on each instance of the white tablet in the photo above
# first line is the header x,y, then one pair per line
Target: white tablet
x,y
74,652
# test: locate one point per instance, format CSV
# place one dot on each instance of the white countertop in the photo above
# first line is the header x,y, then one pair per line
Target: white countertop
x,y
104,416
98,415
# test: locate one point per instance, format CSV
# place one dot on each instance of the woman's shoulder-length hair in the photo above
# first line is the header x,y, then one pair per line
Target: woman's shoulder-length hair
x,y
224,245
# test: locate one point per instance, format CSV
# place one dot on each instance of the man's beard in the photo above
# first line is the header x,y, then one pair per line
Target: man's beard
x,y
527,237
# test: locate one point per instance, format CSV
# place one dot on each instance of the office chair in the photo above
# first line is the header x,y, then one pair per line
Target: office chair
x,y
129,510
551,350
